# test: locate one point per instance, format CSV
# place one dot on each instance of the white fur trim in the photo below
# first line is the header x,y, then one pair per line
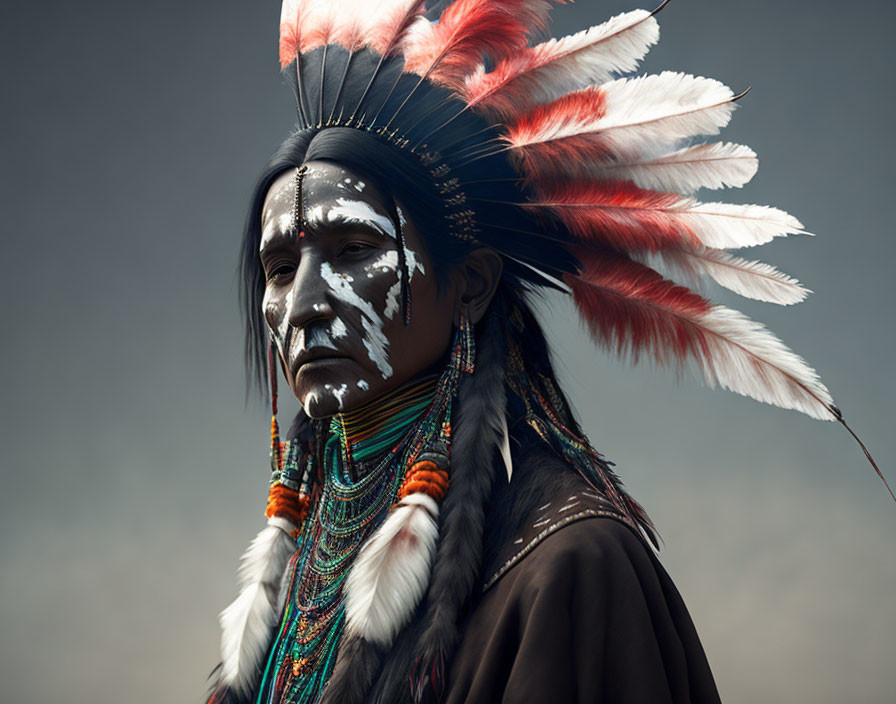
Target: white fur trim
x,y
248,623
392,571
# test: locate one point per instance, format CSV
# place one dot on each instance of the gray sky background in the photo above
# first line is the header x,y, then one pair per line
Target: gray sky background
x,y
134,476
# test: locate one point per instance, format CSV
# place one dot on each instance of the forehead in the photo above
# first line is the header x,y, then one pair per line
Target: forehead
x,y
323,184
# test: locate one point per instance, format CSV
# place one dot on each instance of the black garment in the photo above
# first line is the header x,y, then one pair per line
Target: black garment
x,y
588,615
572,607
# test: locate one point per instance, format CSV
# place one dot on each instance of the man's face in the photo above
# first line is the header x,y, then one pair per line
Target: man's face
x,y
333,296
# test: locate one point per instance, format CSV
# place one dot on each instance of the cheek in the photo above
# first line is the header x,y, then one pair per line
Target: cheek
x,y
374,292
275,305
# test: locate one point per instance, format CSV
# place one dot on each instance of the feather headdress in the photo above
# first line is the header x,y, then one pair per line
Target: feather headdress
x,y
574,172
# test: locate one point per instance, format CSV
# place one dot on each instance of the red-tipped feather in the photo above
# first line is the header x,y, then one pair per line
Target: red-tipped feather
x,y
289,42
300,22
617,215
320,27
349,30
629,218
449,50
383,35
540,143
556,67
619,120
631,309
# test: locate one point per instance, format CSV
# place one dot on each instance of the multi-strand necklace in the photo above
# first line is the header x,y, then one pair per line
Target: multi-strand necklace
x,y
365,457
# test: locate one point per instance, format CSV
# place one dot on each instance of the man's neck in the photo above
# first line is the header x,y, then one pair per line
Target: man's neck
x,y
377,427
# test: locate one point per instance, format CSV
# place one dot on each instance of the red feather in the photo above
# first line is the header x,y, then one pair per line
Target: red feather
x,y
449,50
297,27
617,214
289,44
349,36
630,308
385,35
538,154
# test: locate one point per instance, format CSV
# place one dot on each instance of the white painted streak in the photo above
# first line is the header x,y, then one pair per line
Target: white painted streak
x,y
375,340
361,213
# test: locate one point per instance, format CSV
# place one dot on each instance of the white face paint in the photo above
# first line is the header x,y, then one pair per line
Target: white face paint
x,y
338,329
339,392
360,213
392,299
351,311
318,337
310,400
375,341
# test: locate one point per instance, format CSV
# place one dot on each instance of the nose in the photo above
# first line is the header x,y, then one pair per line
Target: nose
x,y
310,301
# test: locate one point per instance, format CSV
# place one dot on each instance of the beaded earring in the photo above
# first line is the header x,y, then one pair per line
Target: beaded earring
x,y
428,473
466,345
287,497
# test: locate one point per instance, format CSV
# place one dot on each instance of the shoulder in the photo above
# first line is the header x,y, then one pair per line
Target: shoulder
x,y
575,528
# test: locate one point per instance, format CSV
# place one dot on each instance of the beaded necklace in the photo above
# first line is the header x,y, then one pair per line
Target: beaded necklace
x,y
365,458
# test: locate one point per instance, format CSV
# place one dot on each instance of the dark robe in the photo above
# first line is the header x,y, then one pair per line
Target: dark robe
x,y
573,606
586,614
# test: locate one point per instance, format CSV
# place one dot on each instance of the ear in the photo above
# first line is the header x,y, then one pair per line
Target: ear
x,y
477,280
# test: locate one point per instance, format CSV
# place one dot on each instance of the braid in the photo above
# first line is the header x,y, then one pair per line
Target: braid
x,y
538,399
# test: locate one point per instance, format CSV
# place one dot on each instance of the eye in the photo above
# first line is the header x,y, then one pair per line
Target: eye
x,y
280,270
355,248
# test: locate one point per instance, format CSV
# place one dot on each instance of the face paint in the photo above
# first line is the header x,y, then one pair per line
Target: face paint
x,y
357,212
338,329
339,393
333,298
375,340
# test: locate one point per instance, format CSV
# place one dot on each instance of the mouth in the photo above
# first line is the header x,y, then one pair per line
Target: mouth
x,y
316,358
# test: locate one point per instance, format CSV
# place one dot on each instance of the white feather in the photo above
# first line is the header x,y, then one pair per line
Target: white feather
x,y
743,356
392,571
289,11
505,447
751,279
718,165
247,624
559,66
648,111
723,225
645,115
594,55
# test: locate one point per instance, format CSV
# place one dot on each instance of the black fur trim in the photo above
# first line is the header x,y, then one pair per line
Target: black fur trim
x,y
357,666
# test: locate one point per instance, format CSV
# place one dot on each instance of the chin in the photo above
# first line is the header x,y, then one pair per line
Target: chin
x,y
327,399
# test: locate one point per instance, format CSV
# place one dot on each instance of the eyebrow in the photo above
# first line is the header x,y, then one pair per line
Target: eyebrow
x,y
350,213
317,220
273,234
